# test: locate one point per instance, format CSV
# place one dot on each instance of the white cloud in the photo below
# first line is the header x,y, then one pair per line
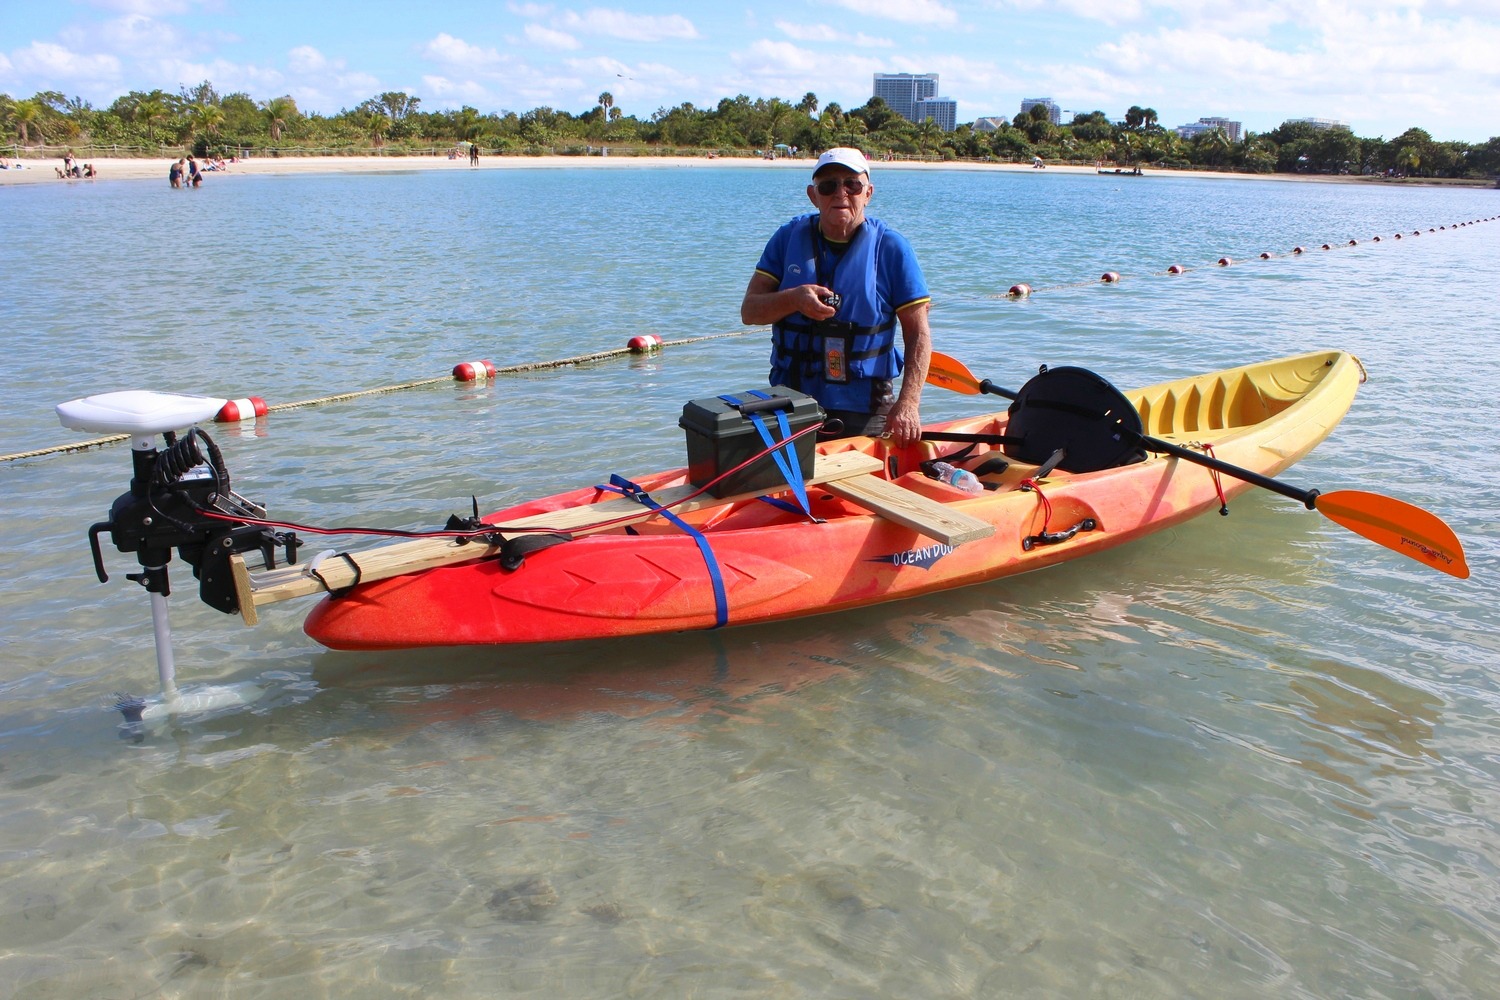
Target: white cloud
x,y
533,11
52,61
549,38
929,13
306,59
456,53
145,7
630,27
832,35
446,91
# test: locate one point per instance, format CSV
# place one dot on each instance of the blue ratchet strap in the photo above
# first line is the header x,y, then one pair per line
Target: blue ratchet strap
x,y
786,458
619,484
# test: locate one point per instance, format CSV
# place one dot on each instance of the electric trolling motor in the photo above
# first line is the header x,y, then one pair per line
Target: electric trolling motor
x,y
179,497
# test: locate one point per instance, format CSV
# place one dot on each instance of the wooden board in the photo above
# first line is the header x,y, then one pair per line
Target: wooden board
x,y
911,510
338,571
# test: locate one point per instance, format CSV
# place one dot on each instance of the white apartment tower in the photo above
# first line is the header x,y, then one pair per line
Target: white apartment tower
x,y
902,91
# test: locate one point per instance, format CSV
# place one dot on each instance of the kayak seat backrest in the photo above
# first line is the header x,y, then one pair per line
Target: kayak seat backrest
x,y
1079,412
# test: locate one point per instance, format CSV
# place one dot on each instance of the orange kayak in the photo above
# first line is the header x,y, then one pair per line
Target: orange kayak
x,y
880,529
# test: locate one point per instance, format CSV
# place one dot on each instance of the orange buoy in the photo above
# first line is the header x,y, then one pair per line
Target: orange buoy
x,y
236,410
1019,291
644,343
473,371
1176,269
1110,277
1225,262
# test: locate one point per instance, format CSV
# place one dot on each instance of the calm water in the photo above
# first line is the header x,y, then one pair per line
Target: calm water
x,y
1256,756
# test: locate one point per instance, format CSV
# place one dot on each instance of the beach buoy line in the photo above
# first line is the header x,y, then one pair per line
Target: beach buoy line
x,y
251,408
254,407
1023,290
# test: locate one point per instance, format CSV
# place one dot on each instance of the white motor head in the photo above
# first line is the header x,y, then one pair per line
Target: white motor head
x,y
137,411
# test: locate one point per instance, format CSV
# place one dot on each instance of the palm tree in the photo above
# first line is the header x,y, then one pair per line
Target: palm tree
x,y
809,104
606,101
377,123
278,111
150,111
205,118
26,114
927,130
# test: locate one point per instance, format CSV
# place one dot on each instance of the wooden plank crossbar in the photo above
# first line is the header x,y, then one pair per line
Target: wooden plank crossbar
x,y
401,558
911,510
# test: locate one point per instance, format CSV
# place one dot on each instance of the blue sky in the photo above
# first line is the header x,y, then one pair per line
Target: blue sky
x,y
1380,65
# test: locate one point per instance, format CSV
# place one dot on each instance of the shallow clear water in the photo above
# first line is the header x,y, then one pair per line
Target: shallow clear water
x,y
1251,756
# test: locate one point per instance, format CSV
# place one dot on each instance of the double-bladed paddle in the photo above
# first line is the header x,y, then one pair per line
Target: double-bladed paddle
x,y
1396,524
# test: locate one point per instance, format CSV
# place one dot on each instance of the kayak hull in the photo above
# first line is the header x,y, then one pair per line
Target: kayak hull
x,y
771,564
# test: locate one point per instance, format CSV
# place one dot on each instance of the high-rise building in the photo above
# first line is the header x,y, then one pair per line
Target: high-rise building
x,y
1054,113
1234,130
902,91
943,110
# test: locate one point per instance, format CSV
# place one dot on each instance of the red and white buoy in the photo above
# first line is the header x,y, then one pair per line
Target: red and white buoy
x,y
236,410
1297,250
1265,255
1019,291
1110,277
1225,261
644,343
473,371
1176,269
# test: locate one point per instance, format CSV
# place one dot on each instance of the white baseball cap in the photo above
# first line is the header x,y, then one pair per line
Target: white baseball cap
x,y
844,156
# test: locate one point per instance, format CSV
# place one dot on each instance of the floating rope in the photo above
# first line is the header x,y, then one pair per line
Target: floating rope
x,y
1023,290
529,366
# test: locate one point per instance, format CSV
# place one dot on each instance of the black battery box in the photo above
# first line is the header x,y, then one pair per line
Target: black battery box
x,y
721,435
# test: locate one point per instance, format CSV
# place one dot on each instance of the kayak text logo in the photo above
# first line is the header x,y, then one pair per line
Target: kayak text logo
x,y
916,557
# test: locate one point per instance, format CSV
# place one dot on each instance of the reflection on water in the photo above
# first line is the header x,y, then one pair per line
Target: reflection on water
x,y
1249,756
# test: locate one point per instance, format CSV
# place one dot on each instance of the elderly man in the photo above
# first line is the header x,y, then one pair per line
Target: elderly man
x,y
833,284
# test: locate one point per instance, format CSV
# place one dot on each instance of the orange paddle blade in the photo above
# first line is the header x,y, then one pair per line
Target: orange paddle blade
x,y
950,373
1399,526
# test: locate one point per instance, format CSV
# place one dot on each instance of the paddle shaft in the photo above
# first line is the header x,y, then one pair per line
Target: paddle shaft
x,y
1399,526
1308,498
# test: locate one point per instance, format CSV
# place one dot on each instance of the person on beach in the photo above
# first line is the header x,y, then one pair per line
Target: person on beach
x,y
834,284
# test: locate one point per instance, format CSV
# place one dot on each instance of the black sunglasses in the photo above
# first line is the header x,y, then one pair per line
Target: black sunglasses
x,y
827,186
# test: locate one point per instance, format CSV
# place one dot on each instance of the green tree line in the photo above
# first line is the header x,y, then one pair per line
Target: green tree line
x,y
200,120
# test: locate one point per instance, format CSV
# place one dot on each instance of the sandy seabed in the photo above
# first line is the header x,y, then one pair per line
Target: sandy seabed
x,y
39,171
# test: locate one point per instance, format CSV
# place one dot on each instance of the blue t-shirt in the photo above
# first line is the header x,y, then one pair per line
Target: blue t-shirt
x,y
899,282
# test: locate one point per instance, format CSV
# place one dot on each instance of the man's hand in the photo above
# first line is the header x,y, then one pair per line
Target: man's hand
x,y
765,302
903,424
904,421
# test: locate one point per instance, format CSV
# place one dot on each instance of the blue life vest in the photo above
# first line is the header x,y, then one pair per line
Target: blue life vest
x,y
859,339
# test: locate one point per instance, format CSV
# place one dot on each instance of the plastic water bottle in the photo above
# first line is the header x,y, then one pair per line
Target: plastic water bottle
x,y
959,479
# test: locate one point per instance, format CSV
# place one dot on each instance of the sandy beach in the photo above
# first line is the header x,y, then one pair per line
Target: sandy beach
x,y
45,171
